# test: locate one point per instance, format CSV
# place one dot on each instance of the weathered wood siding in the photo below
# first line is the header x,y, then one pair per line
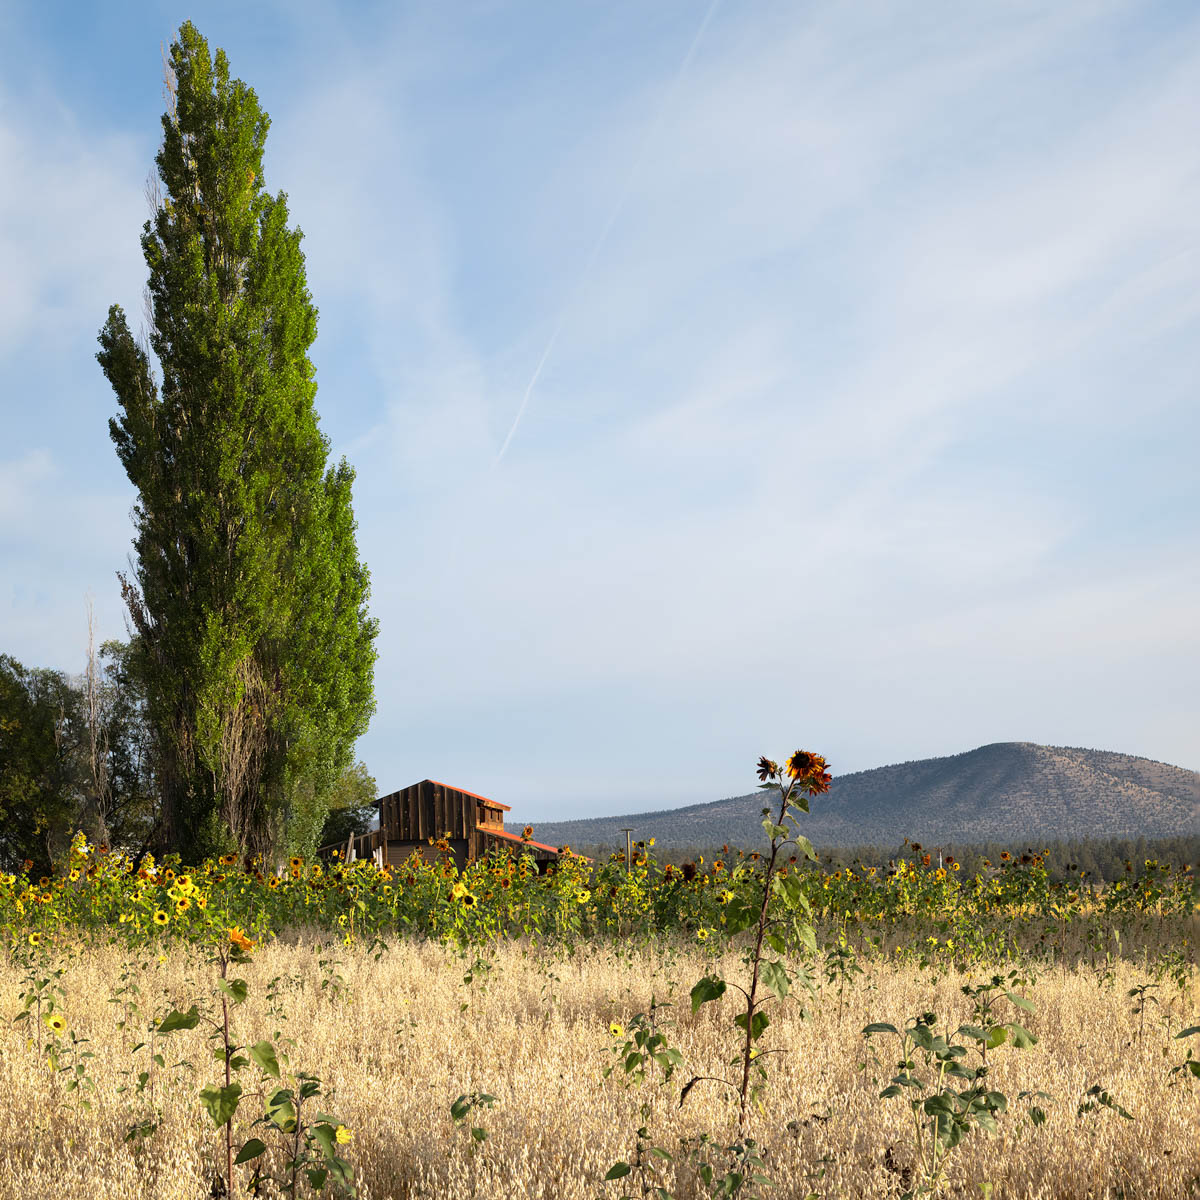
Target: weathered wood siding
x,y
427,810
399,852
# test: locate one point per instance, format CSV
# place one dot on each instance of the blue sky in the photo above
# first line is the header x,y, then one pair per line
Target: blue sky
x,y
869,418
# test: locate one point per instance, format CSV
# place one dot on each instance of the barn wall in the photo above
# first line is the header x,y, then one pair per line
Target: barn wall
x,y
397,852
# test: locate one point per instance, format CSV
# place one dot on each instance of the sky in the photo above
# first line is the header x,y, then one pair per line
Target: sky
x,y
721,378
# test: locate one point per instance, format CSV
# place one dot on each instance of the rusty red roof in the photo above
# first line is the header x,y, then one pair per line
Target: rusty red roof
x,y
516,837
489,803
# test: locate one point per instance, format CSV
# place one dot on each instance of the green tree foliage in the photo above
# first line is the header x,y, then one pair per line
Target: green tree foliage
x,y
352,807
50,762
41,777
249,599
126,746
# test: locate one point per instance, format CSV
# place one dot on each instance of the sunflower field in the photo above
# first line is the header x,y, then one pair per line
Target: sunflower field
x,y
753,1026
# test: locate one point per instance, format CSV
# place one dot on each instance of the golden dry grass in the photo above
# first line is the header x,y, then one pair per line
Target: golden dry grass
x,y
409,1036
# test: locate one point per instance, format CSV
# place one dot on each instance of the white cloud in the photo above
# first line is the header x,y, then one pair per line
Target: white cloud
x,y
821,445
18,478
67,191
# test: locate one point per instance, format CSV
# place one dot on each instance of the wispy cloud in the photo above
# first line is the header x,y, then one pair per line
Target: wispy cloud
x,y
869,425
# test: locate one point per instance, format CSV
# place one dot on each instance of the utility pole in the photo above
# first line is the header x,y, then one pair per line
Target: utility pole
x,y
628,847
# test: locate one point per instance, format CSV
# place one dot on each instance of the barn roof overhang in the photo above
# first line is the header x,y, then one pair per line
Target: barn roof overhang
x,y
504,835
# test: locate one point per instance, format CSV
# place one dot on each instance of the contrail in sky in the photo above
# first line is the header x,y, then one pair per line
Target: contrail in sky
x,y
612,220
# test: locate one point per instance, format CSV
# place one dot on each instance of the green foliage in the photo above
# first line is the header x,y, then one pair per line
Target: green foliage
x,y
308,1144
947,1097
840,968
249,599
647,1171
1189,1068
730,1171
125,747
47,789
41,769
772,904
1097,1097
987,1032
351,809
644,1046
462,1108
776,908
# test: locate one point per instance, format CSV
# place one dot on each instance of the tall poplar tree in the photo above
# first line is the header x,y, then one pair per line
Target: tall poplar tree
x,y
249,597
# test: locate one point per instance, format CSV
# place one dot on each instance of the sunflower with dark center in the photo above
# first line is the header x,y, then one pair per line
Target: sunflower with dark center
x,y
810,771
767,770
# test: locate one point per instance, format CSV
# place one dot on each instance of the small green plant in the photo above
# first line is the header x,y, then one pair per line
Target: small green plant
x,y
478,973
41,991
1096,1098
311,1144
947,1097
840,968
985,1030
1035,1112
1189,1069
1140,995
49,1032
640,1050
644,1046
68,1058
646,1169
738,1170
1176,965
770,902
133,1015
464,1106
333,983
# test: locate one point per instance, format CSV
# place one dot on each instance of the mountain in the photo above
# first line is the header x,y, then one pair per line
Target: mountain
x,y
1008,791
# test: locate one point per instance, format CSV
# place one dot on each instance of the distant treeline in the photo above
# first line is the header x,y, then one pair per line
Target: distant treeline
x,y
1104,859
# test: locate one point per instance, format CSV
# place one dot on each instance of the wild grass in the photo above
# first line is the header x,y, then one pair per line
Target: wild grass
x,y
399,1039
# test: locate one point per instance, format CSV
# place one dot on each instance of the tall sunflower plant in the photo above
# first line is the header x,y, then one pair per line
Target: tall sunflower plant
x,y
773,907
303,1146
778,914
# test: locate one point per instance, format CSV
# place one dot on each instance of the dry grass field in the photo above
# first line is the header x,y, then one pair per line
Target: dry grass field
x,y
399,1039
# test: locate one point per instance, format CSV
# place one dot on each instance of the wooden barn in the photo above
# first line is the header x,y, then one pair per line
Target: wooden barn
x,y
429,809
